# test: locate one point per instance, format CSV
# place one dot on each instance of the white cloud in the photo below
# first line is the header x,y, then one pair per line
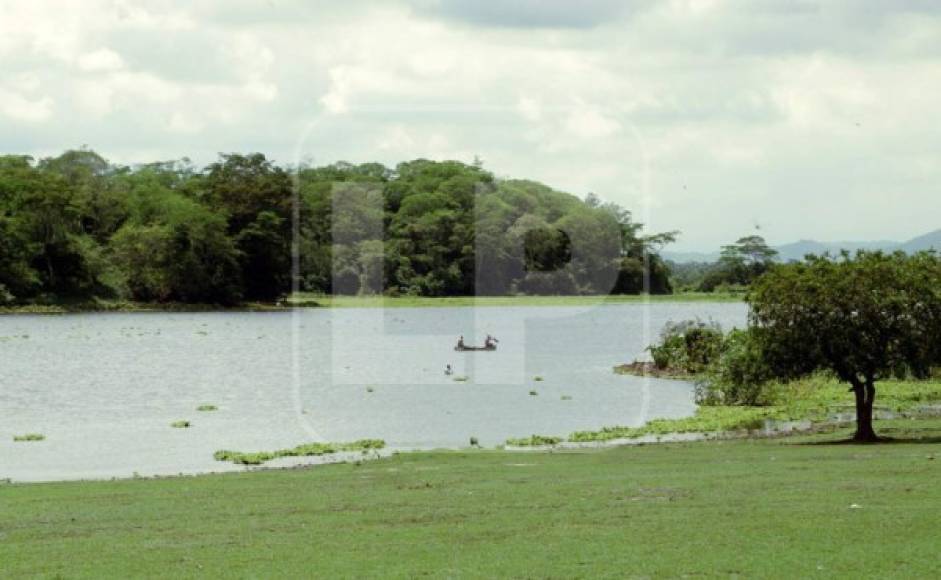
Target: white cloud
x,y
20,108
788,113
587,122
101,60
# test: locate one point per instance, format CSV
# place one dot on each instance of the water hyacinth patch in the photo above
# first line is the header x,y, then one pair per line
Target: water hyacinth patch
x,y
534,440
181,424
29,437
205,408
305,450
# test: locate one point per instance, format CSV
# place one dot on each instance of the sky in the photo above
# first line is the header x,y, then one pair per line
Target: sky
x,y
798,119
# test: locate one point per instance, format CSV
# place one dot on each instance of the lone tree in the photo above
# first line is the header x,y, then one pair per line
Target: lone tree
x,y
865,318
741,263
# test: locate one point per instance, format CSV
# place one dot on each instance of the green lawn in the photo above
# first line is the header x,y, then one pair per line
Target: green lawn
x,y
751,508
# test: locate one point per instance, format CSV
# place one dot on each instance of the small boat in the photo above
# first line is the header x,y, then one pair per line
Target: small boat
x,y
465,348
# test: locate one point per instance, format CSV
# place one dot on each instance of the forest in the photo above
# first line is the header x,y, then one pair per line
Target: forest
x,y
76,228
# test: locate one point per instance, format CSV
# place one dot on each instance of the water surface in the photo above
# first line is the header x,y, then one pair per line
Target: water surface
x,y
104,388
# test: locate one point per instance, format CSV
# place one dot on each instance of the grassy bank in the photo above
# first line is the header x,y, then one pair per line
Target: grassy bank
x,y
128,306
419,301
794,507
304,300
818,399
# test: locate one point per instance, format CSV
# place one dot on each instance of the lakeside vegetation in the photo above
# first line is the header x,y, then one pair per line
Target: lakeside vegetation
x,y
310,300
859,320
749,508
305,450
78,229
820,400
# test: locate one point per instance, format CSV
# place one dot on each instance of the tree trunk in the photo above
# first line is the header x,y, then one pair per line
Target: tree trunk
x,y
865,396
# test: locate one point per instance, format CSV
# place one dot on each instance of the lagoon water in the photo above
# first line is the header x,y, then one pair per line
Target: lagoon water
x,y
104,388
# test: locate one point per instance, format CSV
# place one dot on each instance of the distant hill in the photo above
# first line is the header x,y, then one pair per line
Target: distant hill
x,y
689,257
797,250
925,242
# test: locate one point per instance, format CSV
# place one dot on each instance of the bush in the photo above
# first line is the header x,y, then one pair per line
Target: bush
x,y
689,346
738,376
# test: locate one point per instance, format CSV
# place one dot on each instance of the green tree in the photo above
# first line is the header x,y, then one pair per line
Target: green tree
x,y
172,248
740,263
257,198
864,318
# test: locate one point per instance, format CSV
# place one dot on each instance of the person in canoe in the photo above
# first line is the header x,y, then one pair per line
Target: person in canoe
x,y
491,342
460,342
448,371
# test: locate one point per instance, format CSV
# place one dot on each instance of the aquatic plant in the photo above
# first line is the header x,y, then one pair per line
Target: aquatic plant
x,y
537,378
29,437
534,440
370,389
207,408
566,397
461,379
305,450
183,424
533,393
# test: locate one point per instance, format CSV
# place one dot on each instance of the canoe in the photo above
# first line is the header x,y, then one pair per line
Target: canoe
x,y
462,348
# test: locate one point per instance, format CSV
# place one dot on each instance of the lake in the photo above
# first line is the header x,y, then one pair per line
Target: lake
x,y
104,388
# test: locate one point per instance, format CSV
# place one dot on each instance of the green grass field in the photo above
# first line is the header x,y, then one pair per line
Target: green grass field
x,y
797,507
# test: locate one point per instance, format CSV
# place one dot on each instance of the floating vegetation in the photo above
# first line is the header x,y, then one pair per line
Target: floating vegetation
x,y
474,442
181,424
29,437
706,420
370,389
306,450
566,397
534,440
207,408
533,393
538,378
461,379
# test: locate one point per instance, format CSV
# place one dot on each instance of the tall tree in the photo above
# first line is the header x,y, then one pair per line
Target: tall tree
x,y
257,198
864,318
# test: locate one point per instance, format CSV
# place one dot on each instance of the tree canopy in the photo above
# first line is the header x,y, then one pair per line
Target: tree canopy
x,y
740,263
864,318
76,227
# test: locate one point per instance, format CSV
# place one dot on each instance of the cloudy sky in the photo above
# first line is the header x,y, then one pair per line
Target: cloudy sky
x,y
805,118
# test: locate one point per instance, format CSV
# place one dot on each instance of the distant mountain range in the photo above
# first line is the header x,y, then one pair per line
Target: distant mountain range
x,y
797,250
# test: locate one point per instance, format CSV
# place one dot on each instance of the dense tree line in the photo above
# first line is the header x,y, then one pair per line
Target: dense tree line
x,y
76,227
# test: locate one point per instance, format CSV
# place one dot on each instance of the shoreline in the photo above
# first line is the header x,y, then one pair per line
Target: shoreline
x,y
321,301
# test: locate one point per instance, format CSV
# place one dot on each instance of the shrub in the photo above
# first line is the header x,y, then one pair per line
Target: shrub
x,y
688,346
738,376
